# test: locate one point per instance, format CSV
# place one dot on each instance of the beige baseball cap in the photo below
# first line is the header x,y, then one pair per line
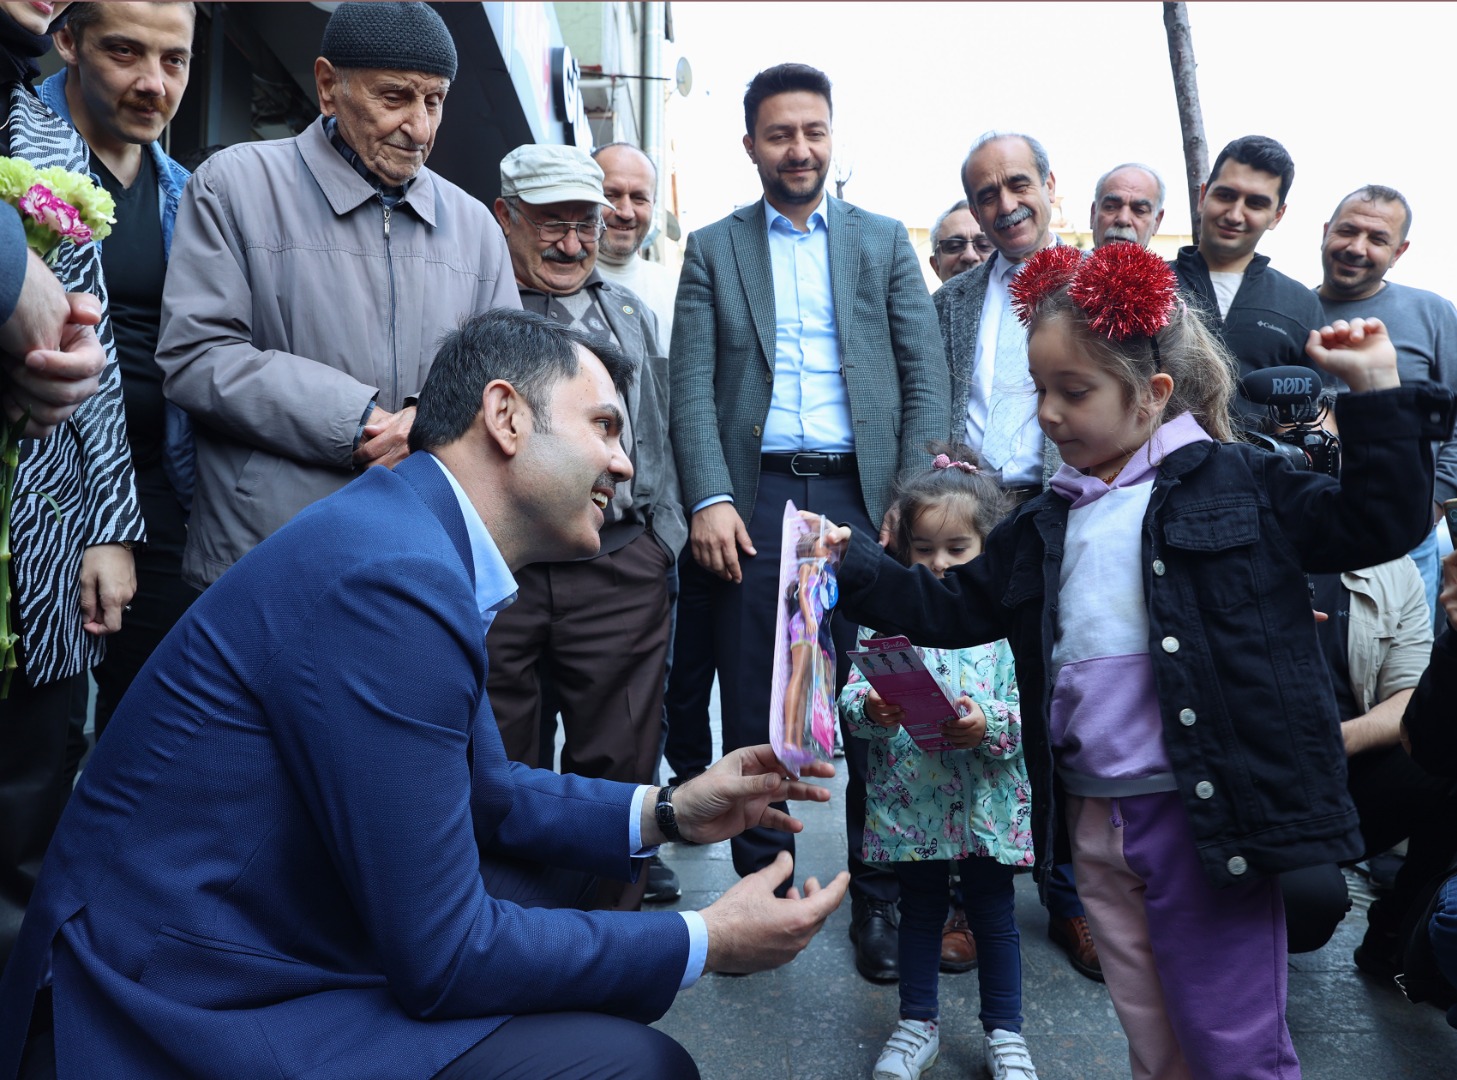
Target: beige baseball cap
x,y
545,173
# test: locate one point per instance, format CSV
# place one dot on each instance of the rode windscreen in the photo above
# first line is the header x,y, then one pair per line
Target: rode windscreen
x,y
1281,386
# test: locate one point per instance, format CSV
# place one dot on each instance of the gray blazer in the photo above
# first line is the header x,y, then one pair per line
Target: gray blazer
x,y
958,312
655,478
722,367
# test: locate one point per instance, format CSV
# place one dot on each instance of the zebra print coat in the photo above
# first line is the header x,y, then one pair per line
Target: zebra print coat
x,y
85,464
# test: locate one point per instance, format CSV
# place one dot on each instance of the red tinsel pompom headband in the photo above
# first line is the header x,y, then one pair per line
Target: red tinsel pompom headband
x,y
1125,290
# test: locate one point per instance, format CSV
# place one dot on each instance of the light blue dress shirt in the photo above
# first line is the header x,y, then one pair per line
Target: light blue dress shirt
x,y
810,409
495,590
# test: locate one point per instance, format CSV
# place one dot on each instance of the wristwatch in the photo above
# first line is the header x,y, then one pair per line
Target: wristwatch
x,y
667,818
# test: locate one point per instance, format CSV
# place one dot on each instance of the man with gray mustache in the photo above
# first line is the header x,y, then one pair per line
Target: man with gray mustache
x,y
1009,186
552,649
1128,204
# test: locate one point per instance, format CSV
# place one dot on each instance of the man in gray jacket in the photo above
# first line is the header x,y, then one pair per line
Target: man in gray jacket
x,y
553,648
310,279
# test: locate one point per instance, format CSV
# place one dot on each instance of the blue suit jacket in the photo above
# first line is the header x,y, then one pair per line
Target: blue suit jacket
x,y
273,864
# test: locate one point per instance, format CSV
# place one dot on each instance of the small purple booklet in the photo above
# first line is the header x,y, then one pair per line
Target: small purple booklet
x,y
897,670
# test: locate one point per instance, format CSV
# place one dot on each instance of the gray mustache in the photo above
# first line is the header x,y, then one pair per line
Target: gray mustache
x,y
1016,217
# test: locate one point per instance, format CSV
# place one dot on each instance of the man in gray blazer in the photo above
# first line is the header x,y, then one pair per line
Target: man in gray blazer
x,y
1010,186
805,366
590,637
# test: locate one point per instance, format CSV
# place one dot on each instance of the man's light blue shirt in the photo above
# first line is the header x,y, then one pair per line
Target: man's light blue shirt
x,y
810,409
496,590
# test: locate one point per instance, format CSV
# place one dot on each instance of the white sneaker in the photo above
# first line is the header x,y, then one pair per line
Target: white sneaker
x,y
910,1051
1007,1056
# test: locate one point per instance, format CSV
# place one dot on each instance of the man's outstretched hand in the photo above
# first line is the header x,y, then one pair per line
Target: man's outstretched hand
x,y
750,929
735,794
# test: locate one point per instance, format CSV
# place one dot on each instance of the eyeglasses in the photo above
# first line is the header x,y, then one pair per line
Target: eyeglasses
x,y
588,232
955,245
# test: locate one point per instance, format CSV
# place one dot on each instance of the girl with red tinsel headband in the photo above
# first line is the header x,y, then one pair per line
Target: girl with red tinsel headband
x,y
1178,723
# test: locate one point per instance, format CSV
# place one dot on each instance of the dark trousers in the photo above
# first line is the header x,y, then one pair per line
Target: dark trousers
x,y
743,622
34,787
990,900
598,631
689,745
162,598
583,1046
1396,800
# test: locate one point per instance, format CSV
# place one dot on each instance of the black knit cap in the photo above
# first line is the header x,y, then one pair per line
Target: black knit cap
x,y
401,37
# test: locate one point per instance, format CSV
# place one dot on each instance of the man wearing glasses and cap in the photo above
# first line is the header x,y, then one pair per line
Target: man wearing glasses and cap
x,y
553,649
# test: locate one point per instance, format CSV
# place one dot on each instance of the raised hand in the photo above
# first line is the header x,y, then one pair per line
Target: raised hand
x,y
1359,352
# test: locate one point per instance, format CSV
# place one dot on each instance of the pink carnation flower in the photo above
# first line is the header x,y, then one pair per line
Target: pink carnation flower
x,y
42,206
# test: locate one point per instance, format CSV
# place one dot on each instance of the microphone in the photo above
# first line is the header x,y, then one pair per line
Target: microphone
x,y
1281,386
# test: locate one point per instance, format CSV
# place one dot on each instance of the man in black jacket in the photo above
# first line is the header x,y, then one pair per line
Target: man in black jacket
x,y
1262,316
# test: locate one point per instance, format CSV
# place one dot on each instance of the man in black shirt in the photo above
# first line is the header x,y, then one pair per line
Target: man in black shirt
x,y
126,69
1261,316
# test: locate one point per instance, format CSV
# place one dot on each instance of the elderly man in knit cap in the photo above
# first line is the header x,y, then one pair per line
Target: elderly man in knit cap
x,y
310,279
553,649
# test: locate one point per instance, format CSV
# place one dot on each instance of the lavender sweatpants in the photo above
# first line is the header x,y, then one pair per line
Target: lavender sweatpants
x,y
1197,974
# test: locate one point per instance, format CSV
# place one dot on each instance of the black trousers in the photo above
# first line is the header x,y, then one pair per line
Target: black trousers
x,y
1396,800
743,624
162,598
34,786
689,745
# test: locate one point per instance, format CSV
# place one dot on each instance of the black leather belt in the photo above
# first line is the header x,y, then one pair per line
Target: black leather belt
x,y
808,463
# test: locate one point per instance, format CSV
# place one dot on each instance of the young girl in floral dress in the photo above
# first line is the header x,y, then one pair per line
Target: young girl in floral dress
x,y
971,804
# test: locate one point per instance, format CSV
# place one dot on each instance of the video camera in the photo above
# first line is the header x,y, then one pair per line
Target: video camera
x,y
1291,424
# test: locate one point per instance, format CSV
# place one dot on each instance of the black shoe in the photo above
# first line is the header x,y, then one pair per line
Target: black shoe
x,y
662,883
873,930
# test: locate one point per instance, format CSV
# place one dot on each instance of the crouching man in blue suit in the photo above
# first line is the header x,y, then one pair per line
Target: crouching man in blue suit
x,y
301,850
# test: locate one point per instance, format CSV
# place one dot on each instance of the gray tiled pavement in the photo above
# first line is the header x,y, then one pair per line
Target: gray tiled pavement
x,y
816,1019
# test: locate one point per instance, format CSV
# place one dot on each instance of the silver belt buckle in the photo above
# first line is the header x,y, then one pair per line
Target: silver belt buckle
x,y
794,466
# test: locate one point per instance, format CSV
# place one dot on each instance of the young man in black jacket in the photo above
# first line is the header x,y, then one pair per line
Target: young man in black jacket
x,y
1262,316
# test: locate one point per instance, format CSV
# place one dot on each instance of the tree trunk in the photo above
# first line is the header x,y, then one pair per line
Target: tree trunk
x,y
1191,118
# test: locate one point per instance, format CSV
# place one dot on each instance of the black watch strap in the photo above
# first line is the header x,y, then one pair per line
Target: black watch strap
x,y
667,818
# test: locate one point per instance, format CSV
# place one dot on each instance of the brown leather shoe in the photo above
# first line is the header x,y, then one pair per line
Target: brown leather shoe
x,y
1076,939
958,947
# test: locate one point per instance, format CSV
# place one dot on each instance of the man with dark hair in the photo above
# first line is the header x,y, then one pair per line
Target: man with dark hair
x,y
553,647
805,367
1362,241
310,280
957,242
1261,316
303,852
1128,205
69,562
126,71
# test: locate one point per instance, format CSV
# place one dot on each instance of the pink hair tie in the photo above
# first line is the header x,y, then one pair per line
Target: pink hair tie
x,y
941,461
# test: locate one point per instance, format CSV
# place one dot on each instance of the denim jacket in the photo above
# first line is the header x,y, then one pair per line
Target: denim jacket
x,y
180,455
1248,715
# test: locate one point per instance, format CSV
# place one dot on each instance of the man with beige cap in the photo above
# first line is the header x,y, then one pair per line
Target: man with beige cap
x,y
554,649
